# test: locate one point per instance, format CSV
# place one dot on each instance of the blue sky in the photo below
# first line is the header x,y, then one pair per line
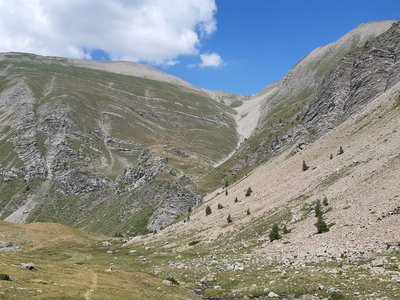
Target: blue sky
x,y
261,40
233,45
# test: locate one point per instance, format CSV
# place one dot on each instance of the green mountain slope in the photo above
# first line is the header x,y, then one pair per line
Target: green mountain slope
x,y
74,140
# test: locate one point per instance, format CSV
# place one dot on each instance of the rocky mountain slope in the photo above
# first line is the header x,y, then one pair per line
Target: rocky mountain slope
x,y
103,150
281,114
317,159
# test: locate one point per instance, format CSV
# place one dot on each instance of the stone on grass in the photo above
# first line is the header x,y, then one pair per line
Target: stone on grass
x,y
28,266
273,295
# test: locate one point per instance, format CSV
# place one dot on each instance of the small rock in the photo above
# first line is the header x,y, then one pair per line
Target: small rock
x,y
198,291
273,295
167,282
379,262
109,252
207,279
28,266
132,252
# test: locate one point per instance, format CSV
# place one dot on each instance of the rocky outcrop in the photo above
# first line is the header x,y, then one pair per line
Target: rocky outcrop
x,y
73,147
360,77
322,91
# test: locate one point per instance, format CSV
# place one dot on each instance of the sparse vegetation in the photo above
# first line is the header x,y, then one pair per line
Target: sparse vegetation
x,y
286,230
274,233
208,210
248,192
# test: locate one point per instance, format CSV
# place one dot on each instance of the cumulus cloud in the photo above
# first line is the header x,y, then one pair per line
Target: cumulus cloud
x,y
155,31
210,60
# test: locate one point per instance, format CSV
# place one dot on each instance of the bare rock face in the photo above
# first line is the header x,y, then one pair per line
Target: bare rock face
x,y
360,77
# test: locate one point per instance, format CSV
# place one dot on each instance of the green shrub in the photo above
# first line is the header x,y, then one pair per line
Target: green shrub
x,y
208,210
248,192
305,167
336,296
5,277
317,208
340,152
321,224
192,243
274,233
229,219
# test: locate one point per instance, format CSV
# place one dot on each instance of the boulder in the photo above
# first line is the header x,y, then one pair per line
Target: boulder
x,y
28,266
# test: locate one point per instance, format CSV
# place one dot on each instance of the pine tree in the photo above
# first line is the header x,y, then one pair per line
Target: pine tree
x,y
248,192
305,167
226,192
248,211
325,201
317,208
220,206
208,210
274,233
229,219
236,200
321,224
331,157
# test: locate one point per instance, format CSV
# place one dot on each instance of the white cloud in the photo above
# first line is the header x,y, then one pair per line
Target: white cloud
x,y
210,60
155,31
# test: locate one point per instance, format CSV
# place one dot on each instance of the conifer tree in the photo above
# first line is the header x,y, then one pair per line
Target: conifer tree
x,y
274,233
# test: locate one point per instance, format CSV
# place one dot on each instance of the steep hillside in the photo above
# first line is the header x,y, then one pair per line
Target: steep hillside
x,y
279,116
103,150
357,188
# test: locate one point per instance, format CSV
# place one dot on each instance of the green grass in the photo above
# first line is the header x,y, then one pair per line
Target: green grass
x,y
236,103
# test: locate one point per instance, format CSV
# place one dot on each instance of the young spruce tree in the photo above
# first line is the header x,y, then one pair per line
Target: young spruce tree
x,y
208,210
274,233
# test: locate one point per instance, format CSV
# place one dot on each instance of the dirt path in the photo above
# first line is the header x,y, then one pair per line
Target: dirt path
x,y
92,288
